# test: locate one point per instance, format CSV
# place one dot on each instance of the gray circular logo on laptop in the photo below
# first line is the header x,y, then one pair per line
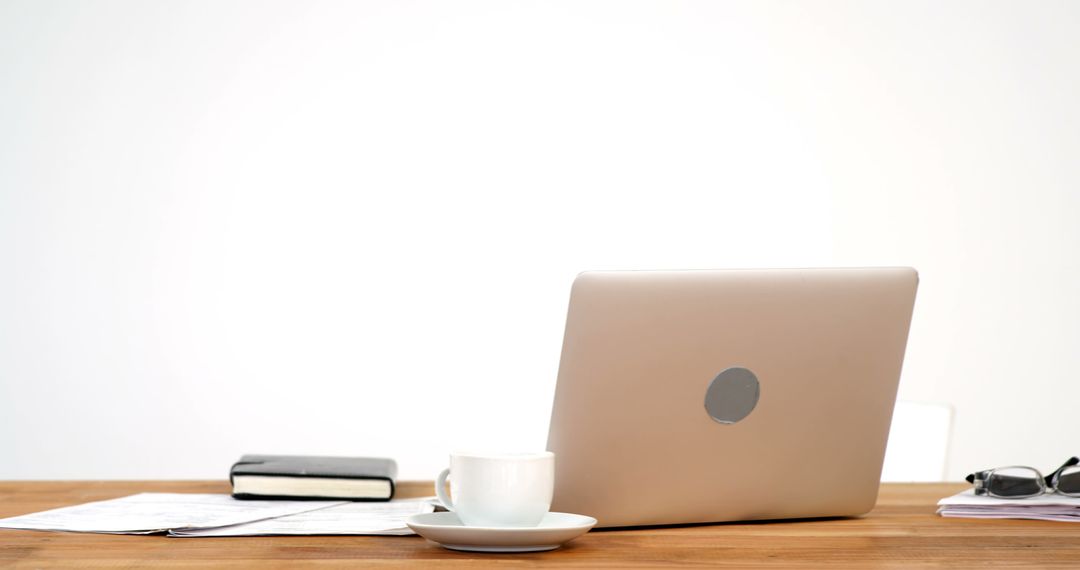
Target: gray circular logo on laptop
x,y
732,395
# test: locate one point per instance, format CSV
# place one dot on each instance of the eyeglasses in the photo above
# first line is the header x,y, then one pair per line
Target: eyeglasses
x,y
1024,482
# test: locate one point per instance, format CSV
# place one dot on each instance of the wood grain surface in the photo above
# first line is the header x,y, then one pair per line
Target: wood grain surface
x,y
902,532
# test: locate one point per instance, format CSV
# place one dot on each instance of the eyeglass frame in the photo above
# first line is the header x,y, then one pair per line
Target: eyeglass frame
x,y
979,479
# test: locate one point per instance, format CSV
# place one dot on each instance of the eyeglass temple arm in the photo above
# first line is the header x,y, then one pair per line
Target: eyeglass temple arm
x,y
1050,478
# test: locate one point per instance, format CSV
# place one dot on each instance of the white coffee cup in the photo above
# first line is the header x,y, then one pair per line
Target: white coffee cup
x,y
500,490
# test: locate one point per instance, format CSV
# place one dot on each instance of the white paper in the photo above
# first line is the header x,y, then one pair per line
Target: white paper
x,y
1050,507
148,513
969,497
1009,515
382,518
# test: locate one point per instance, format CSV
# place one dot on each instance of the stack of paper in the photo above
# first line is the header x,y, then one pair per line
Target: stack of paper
x,y
1049,507
190,514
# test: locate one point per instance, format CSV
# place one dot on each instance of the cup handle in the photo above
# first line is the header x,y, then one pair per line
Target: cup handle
x,y
440,489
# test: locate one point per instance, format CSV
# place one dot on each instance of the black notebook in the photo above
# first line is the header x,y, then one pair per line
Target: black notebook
x,y
313,477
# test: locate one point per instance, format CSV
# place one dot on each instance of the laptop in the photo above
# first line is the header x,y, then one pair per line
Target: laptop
x,y
728,395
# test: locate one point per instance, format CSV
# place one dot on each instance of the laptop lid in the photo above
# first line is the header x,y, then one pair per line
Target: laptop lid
x,y
705,396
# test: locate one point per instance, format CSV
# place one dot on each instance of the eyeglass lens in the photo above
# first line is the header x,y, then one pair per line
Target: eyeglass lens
x,y
1068,480
1018,481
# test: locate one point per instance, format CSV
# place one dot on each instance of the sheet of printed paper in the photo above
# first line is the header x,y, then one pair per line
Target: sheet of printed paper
x,y
1032,515
148,513
351,518
969,498
1049,507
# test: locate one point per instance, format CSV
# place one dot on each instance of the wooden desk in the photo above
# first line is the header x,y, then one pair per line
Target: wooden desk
x,y
902,532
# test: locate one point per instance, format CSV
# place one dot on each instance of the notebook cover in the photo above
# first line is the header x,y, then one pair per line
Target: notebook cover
x,y
315,466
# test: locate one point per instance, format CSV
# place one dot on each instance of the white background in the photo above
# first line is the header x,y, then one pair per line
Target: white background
x,y
351,228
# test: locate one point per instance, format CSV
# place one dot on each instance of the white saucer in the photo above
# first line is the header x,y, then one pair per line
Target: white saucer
x,y
446,530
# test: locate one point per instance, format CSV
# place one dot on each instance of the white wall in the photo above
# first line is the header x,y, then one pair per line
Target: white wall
x,y
351,227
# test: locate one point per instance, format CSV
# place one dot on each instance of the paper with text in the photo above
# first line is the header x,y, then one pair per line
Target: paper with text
x,y
1048,507
148,513
382,518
